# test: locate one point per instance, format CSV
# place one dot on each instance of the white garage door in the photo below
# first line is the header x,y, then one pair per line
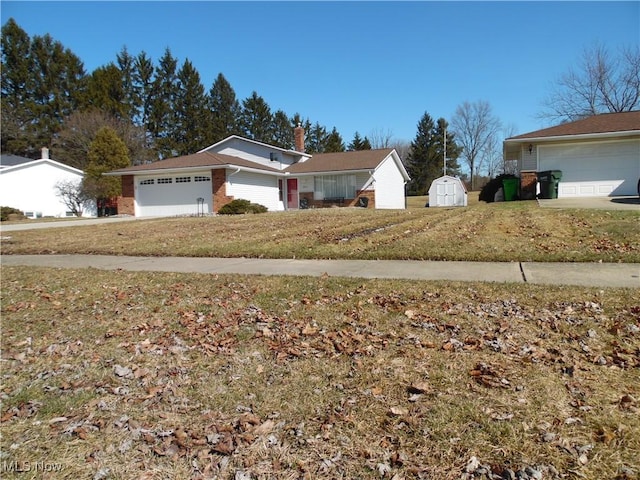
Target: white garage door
x,y
594,169
170,195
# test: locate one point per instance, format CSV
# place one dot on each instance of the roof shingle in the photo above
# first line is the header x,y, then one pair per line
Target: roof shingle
x,y
603,123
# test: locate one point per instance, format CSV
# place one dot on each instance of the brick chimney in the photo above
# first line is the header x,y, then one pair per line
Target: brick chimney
x,y
45,153
298,135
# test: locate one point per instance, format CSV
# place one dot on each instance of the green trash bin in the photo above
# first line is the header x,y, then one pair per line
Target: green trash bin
x,y
549,180
510,188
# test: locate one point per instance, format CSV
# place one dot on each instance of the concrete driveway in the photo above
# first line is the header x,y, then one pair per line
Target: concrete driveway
x,y
600,203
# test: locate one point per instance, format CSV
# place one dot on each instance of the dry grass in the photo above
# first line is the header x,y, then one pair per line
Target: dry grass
x,y
509,231
155,375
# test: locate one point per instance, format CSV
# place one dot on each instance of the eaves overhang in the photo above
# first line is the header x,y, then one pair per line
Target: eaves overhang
x,y
573,138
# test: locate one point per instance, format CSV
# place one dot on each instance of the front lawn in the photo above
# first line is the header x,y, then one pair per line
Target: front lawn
x,y
509,231
123,375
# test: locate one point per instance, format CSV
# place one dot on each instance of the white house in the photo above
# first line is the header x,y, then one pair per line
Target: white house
x,y
598,156
279,179
30,185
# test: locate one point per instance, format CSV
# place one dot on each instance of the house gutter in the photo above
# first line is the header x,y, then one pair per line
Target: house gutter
x,y
585,136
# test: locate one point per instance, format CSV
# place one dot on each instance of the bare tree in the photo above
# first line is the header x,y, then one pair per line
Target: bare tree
x,y
601,83
73,195
402,148
380,138
80,129
475,127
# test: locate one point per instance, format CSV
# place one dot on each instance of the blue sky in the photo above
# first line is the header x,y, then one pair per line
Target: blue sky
x,y
358,66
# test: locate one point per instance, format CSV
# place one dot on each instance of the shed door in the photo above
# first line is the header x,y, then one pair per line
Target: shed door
x,y
446,193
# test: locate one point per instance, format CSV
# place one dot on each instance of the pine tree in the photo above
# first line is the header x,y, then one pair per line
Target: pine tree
x,y
42,82
17,83
105,91
425,161
333,142
421,161
143,88
358,143
161,117
106,152
127,66
190,112
316,138
282,131
256,119
225,111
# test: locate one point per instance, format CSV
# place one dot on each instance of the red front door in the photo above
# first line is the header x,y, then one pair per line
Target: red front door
x,y
292,193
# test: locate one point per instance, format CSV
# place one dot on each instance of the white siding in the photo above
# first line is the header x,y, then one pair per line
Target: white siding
x,y
529,159
594,169
256,153
364,181
389,185
256,188
32,188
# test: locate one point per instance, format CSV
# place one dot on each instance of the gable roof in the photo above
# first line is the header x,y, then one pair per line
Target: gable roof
x,y
33,163
341,161
606,123
196,160
231,138
10,160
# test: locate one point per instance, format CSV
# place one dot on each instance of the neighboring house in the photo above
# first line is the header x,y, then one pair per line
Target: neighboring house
x,y
279,179
29,185
598,156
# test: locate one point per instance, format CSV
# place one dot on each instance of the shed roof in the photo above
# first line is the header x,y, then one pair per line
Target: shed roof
x,y
603,123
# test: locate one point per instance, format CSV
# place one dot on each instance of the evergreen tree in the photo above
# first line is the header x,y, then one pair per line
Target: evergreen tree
x,y
106,152
283,131
127,66
161,117
256,119
105,91
42,82
190,112
333,142
315,138
143,88
358,143
425,161
421,161
225,111
17,82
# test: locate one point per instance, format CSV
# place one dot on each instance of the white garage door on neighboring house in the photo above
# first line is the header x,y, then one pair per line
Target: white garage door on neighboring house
x,y
594,169
169,195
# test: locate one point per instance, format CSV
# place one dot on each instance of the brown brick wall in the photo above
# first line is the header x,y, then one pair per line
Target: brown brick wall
x,y
126,202
528,182
219,186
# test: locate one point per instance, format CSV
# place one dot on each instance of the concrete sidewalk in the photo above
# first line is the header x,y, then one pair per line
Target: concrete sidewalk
x,y
582,274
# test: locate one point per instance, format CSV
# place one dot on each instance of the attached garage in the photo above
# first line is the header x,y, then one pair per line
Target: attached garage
x,y
594,169
598,156
181,194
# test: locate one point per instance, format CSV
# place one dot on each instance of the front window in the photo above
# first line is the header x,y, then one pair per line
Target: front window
x,y
334,186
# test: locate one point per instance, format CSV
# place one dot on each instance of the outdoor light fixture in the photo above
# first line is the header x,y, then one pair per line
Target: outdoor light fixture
x,y
530,149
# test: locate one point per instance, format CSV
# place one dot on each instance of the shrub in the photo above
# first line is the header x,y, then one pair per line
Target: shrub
x,y
6,211
240,206
488,192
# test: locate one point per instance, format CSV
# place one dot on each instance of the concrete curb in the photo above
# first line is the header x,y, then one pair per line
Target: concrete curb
x,y
581,274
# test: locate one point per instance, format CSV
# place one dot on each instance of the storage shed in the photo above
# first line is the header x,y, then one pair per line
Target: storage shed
x,y
447,191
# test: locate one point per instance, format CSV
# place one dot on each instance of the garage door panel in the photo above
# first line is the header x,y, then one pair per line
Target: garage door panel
x,y
598,169
162,198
